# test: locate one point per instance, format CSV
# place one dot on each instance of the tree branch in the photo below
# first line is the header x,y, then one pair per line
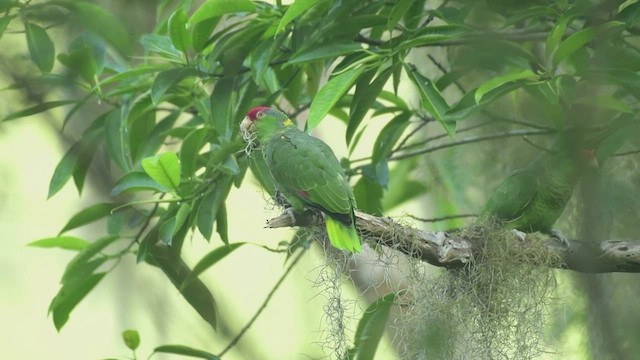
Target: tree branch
x,y
453,250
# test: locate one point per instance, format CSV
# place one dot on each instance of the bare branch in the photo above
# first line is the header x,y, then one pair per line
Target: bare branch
x,y
452,250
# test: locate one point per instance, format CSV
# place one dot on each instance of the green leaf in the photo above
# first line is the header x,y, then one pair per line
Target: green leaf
x,y
88,215
222,225
431,99
85,255
468,105
260,170
101,22
368,194
363,99
181,216
4,22
371,328
222,102
397,12
37,109
186,351
388,137
433,34
131,339
500,80
215,8
556,34
210,205
329,95
190,148
65,168
209,260
580,38
69,296
163,169
162,46
167,80
40,46
296,9
116,138
319,52
401,187
201,32
136,181
178,30
62,242
196,294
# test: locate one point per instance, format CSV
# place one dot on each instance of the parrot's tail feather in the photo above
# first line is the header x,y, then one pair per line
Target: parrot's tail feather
x,y
342,236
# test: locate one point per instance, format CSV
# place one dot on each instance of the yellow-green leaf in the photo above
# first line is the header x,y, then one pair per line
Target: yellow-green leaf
x,y
163,169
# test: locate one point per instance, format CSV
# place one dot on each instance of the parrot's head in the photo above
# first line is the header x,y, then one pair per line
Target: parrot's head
x,y
262,122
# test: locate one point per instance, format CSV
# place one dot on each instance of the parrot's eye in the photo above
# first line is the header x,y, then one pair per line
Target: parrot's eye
x,y
260,114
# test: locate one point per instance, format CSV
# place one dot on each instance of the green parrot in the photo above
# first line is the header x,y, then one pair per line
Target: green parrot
x,y
306,171
533,198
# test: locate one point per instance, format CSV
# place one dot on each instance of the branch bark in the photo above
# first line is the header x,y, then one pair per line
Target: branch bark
x,y
453,250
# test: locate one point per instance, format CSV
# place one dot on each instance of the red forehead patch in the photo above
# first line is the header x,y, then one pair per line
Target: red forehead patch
x,y
253,113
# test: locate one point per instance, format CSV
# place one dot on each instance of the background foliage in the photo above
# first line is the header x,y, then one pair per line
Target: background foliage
x,y
446,89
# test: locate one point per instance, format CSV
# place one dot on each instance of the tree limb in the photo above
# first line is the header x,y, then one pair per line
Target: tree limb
x,y
453,250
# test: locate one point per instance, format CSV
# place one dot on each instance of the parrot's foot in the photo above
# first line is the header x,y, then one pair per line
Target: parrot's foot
x,y
291,214
280,199
519,235
559,237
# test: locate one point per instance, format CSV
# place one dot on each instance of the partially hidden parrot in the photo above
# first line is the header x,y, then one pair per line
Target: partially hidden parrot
x,y
306,171
533,198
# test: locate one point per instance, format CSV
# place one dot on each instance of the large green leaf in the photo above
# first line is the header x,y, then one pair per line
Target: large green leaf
x,y
117,139
214,8
294,10
136,181
319,52
88,215
431,99
163,169
397,12
209,260
37,109
580,38
178,32
210,205
222,101
501,80
368,194
363,99
62,242
40,46
371,328
101,22
83,257
169,79
329,95
69,296
196,293
388,137
190,149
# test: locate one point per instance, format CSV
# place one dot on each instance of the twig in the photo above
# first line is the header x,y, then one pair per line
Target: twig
x,y
235,340
472,139
442,218
632,152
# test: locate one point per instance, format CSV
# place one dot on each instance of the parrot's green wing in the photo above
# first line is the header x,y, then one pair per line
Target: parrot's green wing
x,y
305,167
512,197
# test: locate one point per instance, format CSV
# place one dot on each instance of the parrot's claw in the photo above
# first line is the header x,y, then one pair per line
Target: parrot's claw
x,y
559,236
519,235
291,214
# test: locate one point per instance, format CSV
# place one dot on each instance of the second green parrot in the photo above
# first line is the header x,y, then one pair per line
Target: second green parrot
x,y
534,197
306,171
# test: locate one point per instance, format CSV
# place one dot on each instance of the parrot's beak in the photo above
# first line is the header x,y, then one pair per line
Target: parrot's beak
x,y
247,124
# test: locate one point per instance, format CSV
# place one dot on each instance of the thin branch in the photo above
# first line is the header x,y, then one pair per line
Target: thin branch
x,y
473,139
632,152
442,218
235,340
453,250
